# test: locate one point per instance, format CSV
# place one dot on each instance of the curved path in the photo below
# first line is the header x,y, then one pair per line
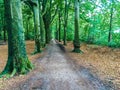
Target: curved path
x,y
61,74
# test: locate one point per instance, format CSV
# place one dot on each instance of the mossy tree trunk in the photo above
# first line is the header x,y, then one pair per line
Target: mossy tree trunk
x,y
76,41
42,26
34,5
37,26
27,27
5,38
59,16
43,40
18,62
46,19
65,21
57,32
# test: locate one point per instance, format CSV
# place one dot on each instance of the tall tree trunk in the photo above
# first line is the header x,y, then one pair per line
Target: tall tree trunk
x,y
76,33
47,20
47,29
42,27
110,28
4,28
27,32
59,26
37,27
18,62
43,40
65,22
57,33
4,34
47,17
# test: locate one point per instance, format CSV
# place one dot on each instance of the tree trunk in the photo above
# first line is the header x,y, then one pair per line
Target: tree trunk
x,y
47,29
18,62
42,27
43,40
57,33
37,27
76,41
59,26
110,29
47,18
65,22
27,32
4,34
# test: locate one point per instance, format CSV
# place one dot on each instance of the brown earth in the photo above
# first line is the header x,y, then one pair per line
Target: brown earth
x,y
101,60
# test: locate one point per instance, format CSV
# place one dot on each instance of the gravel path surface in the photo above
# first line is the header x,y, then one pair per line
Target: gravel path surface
x,y
61,74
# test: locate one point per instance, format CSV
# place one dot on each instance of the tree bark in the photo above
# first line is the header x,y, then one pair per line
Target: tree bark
x,y
5,39
42,27
18,62
76,41
110,28
47,19
65,22
37,27
43,40
57,33
27,27
59,14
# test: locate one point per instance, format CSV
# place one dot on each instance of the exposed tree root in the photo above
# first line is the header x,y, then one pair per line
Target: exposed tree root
x,y
21,67
5,75
77,50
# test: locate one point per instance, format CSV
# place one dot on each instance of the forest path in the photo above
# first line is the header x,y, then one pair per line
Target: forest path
x,y
60,73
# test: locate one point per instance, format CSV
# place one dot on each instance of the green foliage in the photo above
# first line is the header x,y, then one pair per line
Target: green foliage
x,y
94,20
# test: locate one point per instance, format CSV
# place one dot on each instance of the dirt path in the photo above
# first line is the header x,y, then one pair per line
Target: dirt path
x,y
61,74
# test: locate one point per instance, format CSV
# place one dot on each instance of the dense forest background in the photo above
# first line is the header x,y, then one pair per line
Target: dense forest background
x,y
99,21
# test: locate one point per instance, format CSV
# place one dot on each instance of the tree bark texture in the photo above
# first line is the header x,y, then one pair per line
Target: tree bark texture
x,y
18,62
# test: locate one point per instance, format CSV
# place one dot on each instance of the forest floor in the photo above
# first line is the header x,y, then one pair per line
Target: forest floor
x,y
100,60
97,61
6,84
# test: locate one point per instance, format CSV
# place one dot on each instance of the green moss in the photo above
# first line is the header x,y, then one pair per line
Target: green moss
x,y
20,66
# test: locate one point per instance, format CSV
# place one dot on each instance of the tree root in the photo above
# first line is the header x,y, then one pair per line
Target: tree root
x,y
78,51
23,67
5,75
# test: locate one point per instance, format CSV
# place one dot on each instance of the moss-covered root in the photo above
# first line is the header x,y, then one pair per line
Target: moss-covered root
x,y
77,50
6,74
21,67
